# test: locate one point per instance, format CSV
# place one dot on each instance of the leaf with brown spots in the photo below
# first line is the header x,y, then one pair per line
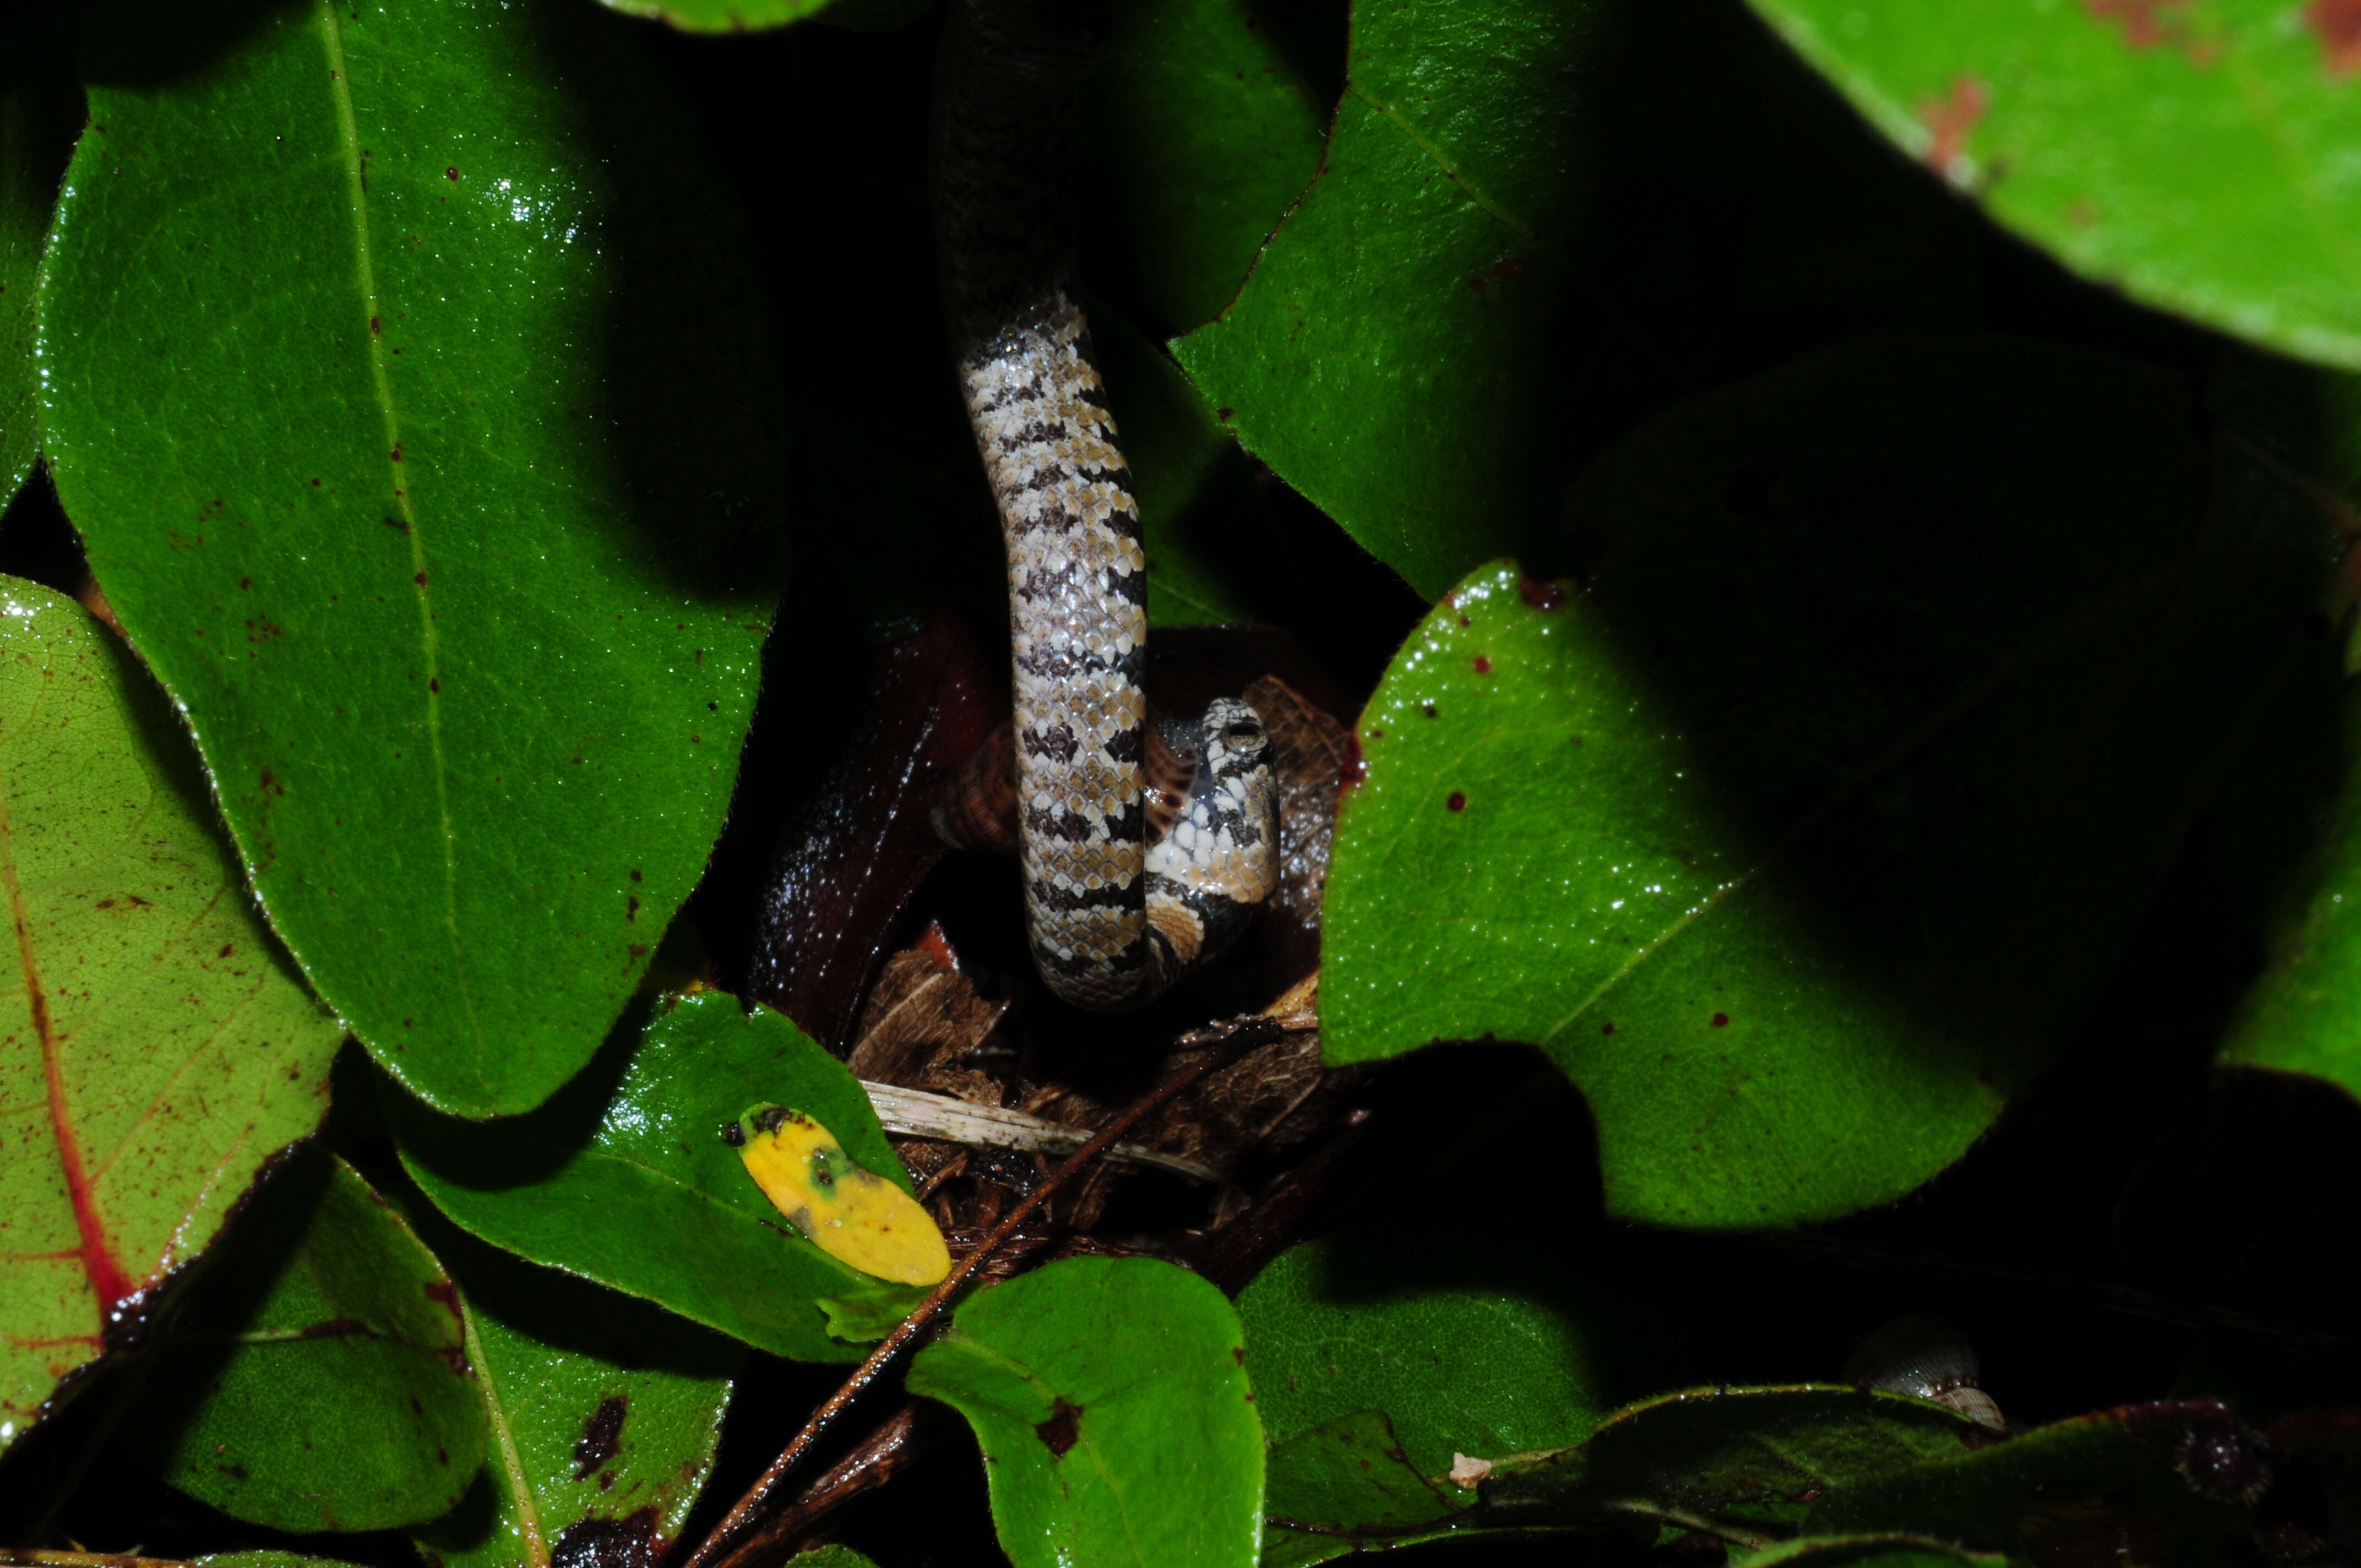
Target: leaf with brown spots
x,y
605,1412
318,1378
1746,835
1114,1417
628,1176
480,721
157,1050
2194,156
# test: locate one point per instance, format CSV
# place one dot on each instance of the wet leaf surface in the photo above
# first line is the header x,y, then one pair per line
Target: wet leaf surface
x,y
160,1050
2193,156
863,839
318,1379
1742,1461
1390,357
1798,839
24,221
2188,1469
625,1177
1476,1347
1110,1398
456,563
1202,133
1344,1485
605,1414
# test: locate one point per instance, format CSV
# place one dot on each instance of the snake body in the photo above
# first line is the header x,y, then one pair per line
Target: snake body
x,y
1112,919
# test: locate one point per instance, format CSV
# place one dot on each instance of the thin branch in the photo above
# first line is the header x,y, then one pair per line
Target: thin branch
x,y
1238,1036
886,1453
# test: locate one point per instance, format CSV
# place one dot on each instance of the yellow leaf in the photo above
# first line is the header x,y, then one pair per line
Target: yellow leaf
x,y
854,1215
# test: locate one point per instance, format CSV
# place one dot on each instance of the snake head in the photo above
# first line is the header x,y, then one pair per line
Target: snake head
x,y
1236,741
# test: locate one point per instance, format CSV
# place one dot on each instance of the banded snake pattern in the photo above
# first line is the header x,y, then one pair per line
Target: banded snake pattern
x,y
1116,910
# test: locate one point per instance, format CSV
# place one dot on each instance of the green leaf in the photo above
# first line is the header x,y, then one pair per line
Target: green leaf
x,y
1199,134
605,1414
23,220
1345,1486
2192,156
624,1178
1867,1552
1110,1400
1351,1474
1183,468
829,1557
1473,1346
267,1560
720,16
2304,1014
317,1380
1391,356
1736,1461
1803,838
2136,1458
432,488
160,1050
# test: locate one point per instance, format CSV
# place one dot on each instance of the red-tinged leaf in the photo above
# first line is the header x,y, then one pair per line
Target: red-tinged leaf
x,y
164,1048
863,841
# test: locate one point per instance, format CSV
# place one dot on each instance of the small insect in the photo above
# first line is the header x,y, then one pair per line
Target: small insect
x,y
854,1215
1928,1359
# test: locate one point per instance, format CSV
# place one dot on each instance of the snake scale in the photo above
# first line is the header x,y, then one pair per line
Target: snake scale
x,y
1115,911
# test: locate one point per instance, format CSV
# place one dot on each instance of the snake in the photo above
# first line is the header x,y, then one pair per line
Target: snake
x,y
1145,843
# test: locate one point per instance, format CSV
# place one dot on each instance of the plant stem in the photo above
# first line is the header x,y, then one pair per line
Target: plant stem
x,y
1237,1035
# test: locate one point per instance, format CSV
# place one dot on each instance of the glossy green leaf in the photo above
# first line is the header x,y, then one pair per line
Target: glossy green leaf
x,y
1110,1400
1804,836
1867,1552
1179,460
1345,1486
23,220
404,374
318,1378
1352,1473
160,1050
720,16
1742,1461
2194,156
267,1560
1474,1346
1200,134
605,1414
2304,1014
1392,355
624,1178
2137,1461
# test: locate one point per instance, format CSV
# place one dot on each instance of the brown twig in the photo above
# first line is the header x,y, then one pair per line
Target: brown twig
x,y
1239,1034
886,1453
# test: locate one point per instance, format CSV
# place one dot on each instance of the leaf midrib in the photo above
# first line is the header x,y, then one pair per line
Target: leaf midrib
x,y
381,373
103,1268
511,1461
1394,116
2103,607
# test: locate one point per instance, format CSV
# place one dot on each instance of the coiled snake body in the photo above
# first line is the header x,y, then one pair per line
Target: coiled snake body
x,y
1112,919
